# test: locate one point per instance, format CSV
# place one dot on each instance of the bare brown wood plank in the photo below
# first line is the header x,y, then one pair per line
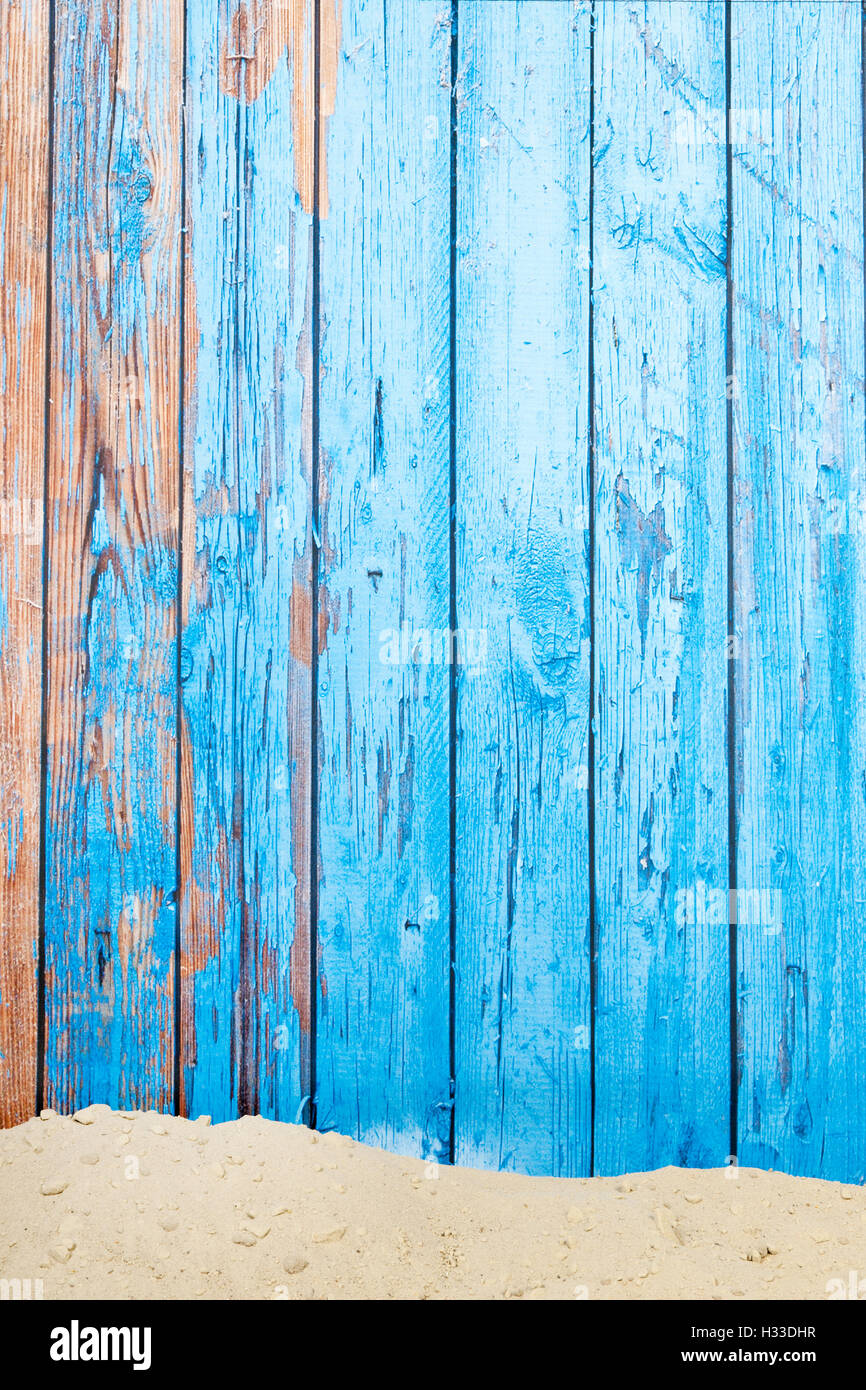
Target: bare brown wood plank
x,y
24,99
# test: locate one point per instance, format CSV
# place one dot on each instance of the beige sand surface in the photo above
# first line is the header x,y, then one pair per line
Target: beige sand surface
x,y
124,1205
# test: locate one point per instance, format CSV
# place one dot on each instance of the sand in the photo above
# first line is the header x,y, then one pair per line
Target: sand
x,y
108,1204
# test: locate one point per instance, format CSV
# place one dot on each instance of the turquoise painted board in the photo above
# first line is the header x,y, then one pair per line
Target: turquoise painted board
x,y
246,659
661,810
111,593
522,1021
382,1054
800,563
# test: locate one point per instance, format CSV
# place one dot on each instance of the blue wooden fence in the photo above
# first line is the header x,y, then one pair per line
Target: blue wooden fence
x,y
433,571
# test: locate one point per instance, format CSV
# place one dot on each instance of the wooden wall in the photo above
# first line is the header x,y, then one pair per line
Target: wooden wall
x,y
433,573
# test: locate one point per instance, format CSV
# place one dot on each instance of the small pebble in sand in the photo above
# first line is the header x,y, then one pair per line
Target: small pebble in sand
x,y
244,1238
88,1159
93,1113
53,1187
331,1234
295,1264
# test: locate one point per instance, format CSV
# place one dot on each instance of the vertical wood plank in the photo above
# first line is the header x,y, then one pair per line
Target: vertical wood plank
x,y
383,1061
112,564
522,902
24,118
800,556
659,296
248,619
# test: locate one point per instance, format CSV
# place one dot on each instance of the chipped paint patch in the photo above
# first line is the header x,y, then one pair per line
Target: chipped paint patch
x,y
261,34
645,544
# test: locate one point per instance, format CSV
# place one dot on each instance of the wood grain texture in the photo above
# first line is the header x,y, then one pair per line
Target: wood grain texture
x,y
248,620
659,293
383,1063
800,557
112,562
24,116
522,984
249,448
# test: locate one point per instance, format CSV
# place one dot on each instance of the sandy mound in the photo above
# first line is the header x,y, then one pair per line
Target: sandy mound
x,y
122,1205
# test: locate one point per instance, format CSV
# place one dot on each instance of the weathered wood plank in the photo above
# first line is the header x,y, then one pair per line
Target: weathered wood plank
x,y
522,901
248,620
659,295
24,119
112,562
383,1061
800,557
